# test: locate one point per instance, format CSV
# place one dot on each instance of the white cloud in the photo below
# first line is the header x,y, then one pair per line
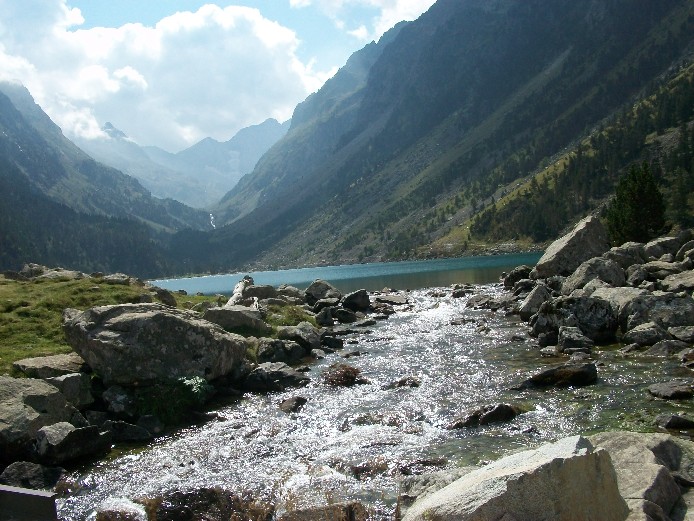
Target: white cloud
x,y
192,75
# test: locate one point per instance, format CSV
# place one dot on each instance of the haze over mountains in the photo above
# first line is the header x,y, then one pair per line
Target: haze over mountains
x,y
411,139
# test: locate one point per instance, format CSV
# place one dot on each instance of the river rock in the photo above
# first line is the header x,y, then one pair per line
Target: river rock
x,y
666,348
550,482
345,315
51,366
211,504
76,387
325,317
595,268
270,377
120,509
627,254
571,339
26,405
137,343
393,300
357,300
674,422
126,432
645,465
531,304
664,308
673,390
516,274
683,333
645,334
293,404
63,442
320,289
415,487
566,375
588,239
485,415
304,334
25,474
272,350
595,317
352,511
237,318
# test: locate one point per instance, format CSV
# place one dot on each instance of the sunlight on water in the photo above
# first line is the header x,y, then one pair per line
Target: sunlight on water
x,y
356,442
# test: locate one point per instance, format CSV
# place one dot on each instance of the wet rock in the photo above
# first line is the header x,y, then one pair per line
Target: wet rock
x,y
645,334
325,317
269,377
76,387
666,348
588,239
152,424
293,404
531,304
516,274
304,334
672,390
332,342
51,366
211,504
353,511
120,509
345,316
405,381
571,339
357,300
63,442
523,287
31,475
26,405
550,338
595,268
272,350
595,317
487,414
566,375
238,319
126,432
550,482
318,354
674,422
343,375
393,300
137,343
320,289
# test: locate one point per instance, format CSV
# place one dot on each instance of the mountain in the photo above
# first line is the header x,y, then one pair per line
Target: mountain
x,y
198,176
409,137
55,167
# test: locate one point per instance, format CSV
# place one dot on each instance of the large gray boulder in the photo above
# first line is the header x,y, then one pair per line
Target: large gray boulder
x,y
679,282
26,405
51,366
596,268
588,239
661,246
304,334
62,442
238,318
595,317
133,344
627,254
562,481
664,308
320,289
272,377
357,300
618,297
531,304
77,388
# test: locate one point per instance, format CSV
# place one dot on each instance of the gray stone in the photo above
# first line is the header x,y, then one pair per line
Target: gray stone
x,y
636,275
393,300
645,334
291,292
683,281
304,334
138,343
352,511
126,432
658,270
666,348
272,350
627,254
683,333
485,415
674,422
50,366
25,474
531,304
293,404
120,402
684,251
662,245
516,274
269,377
571,339
664,308
672,390
77,388
595,268
26,405
566,375
259,292
120,509
62,442
588,239
345,316
618,297
595,317
550,482
357,300
325,317
324,303
236,318
415,487
320,289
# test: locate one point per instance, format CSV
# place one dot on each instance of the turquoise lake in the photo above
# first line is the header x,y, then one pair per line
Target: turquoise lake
x,y
372,277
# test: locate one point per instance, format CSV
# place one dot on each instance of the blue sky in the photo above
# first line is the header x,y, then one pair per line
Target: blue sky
x,y
172,72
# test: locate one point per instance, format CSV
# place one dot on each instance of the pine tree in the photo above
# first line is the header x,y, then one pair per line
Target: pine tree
x,y
637,213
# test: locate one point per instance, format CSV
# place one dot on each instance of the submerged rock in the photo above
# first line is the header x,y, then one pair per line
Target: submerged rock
x,y
487,414
566,375
673,390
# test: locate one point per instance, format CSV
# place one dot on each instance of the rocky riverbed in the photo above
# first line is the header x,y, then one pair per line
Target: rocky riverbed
x,y
399,393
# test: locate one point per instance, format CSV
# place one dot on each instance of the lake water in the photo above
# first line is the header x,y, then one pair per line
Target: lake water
x,y
372,277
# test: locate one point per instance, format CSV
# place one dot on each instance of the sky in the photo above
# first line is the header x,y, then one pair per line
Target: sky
x,y
169,73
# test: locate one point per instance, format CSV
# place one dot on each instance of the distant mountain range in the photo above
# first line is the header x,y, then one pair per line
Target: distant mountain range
x,y
198,176
416,147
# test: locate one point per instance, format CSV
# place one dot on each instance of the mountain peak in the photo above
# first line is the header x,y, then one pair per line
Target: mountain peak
x,y
113,132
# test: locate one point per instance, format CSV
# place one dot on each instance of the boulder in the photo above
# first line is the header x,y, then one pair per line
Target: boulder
x,y
550,482
25,474
673,390
516,274
685,251
345,315
588,239
683,333
666,348
664,308
353,511
51,366
63,442
325,303
636,275
627,254
260,292
393,300
136,343
290,292
416,486
683,281
645,334
644,465
571,339
357,300
237,318
662,245
126,432
487,414
77,388
674,422
120,509
26,405
618,297
320,289
304,334
325,317
595,268
269,377
658,270
565,375
210,504
120,402
293,404
531,304
272,350
595,317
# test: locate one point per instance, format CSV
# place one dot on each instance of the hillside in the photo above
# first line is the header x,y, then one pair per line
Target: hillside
x,y
404,142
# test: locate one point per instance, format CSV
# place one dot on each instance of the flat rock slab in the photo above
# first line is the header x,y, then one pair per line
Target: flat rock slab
x,y
566,375
51,366
673,390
